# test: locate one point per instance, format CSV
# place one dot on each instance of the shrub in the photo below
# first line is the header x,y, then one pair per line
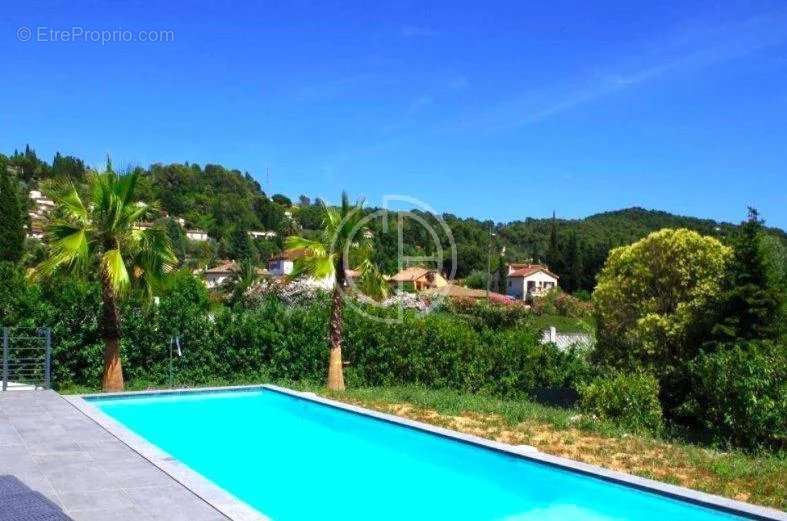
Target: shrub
x,y
630,399
483,314
557,302
653,298
476,280
582,294
18,301
738,394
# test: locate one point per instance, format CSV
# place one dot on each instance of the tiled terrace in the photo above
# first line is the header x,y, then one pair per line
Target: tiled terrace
x,y
57,464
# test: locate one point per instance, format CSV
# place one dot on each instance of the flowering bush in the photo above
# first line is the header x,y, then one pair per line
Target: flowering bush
x,y
556,302
295,292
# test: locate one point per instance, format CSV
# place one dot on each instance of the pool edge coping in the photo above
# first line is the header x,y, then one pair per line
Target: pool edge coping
x,y
238,510
215,496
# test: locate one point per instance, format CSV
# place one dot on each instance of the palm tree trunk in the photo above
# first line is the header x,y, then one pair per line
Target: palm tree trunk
x,y
112,379
335,365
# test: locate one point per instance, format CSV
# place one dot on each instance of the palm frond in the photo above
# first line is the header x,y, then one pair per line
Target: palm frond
x,y
318,267
69,202
311,247
371,281
125,188
68,250
114,269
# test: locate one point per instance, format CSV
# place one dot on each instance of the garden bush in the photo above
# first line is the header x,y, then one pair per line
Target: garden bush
x,y
557,302
631,399
482,314
738,394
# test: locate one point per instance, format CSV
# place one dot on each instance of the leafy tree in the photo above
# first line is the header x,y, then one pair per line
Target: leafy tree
x,y
68,167
12,233
751,303
343,241
100,238
241,246
266,248
270,214
177,238
310,217
653,299
282,200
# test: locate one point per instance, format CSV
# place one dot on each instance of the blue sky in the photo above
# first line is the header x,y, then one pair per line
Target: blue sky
x,y
498,110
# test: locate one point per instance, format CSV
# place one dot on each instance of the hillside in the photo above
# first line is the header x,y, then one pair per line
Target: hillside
x,y
227,203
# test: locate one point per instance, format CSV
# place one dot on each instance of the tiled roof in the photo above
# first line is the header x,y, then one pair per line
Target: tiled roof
x,y
227,266
525,270
411,274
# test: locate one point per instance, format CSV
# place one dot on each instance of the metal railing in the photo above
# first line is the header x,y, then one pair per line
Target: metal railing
x,y
27,357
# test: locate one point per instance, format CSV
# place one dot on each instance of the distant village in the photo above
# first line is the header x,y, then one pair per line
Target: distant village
x,y
523,280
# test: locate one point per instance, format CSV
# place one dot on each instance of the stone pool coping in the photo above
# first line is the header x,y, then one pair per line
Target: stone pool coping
x,y
238,510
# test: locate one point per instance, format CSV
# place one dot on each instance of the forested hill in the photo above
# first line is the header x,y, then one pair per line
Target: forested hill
x,y
227,203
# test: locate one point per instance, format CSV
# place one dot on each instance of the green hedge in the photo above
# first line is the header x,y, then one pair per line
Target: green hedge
x,y
441,349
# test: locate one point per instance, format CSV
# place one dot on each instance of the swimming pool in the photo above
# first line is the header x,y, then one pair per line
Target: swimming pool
x,y
294,459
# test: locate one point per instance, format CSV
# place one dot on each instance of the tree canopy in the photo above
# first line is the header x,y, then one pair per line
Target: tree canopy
x,y
653,295
12,233
219,200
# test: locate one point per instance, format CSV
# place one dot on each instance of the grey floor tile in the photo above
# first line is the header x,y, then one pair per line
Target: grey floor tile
x,y
82,500
122,514
71,468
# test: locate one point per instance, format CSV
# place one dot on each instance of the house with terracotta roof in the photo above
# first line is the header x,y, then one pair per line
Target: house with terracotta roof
x,y
528,280
220,273
418,278
456,292
283,263
223,271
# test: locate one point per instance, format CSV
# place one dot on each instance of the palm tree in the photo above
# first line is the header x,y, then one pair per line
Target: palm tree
x,y
344,241
101,238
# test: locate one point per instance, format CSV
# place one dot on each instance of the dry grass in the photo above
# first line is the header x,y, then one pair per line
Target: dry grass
x,y
756,479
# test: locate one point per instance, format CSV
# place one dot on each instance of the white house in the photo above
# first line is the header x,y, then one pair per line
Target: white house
x,y
527,280
197,235
282,264
217,275
41,206
262,235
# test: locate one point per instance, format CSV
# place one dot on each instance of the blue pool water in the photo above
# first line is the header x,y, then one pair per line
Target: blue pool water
x,y
296,460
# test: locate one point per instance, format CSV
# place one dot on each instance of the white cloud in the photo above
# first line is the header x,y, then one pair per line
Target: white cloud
x,y
696,48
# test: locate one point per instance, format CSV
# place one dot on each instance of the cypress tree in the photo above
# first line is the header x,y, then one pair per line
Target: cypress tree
x,y
554,257
750,304
12,232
